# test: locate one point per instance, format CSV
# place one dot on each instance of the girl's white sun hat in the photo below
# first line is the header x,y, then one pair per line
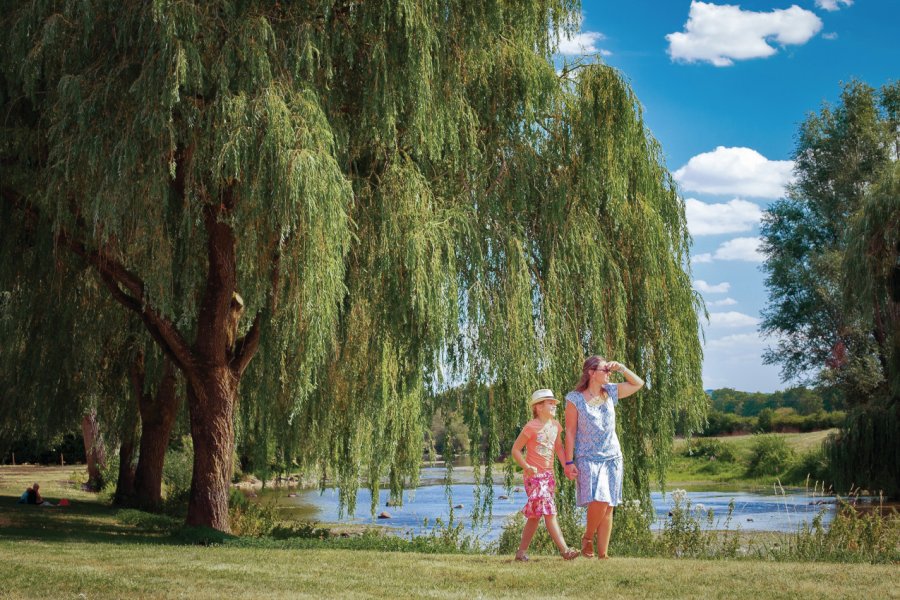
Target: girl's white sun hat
x,y
541,395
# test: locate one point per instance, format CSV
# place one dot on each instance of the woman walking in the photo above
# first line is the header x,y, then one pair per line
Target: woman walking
x,y
593,454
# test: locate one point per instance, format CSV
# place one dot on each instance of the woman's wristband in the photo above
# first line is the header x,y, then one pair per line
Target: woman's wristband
x,y
570,462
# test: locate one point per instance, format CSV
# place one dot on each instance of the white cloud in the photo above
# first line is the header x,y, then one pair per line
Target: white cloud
x,y
735,360
743,341
830,36
721,34
732,319
740,171
831,5
723,302
743,248
580,43
729,217
706,288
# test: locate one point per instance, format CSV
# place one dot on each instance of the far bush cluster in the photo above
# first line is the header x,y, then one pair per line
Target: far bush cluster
x,y
768,457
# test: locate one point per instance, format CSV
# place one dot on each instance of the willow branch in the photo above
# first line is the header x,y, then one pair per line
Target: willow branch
x,y
116,277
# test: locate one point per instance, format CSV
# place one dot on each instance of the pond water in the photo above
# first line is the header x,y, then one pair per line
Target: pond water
x,y
753,511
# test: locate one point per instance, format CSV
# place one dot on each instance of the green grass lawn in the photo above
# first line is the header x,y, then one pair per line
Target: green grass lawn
x,y
698,474
84,551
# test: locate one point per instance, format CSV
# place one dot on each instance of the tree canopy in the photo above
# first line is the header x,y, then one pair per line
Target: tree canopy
x,y
841,152
331,210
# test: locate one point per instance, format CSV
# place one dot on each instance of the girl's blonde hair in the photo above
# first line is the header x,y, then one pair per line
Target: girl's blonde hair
x,y
589,365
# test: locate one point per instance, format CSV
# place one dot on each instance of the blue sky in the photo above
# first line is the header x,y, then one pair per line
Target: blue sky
x,y
724,88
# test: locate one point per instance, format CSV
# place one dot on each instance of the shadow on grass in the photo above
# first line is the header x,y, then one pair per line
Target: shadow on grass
x,y
81,521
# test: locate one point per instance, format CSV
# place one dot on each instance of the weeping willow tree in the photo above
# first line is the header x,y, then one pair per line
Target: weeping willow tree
x,y
330,210
559,234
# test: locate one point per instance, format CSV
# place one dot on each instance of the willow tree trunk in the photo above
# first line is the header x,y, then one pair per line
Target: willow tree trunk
x,y
157,419
217,364
211,397
94,449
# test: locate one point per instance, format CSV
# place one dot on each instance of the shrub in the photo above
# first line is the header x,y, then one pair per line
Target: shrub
x,y
719,423
683,533
303,530
631,535
250,518
764,420
810,466
853,536
769,455
710,449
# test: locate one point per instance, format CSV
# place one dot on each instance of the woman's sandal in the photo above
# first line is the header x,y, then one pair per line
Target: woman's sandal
x,y
522,557
587,546
570,554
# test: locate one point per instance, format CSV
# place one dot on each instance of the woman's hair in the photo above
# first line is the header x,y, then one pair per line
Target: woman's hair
x,y
589,365
534,410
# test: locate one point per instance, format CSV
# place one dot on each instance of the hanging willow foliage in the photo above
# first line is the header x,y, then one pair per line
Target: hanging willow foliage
x,y
572,241
64,346
413,196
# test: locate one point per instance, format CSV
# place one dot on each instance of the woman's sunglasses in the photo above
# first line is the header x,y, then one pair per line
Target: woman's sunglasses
x,y
605,369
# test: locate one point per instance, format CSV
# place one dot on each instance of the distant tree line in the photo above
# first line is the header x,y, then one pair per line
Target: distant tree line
x,y
797,409
803,400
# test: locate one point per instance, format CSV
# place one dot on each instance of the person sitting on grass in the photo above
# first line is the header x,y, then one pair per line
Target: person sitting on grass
x,y
33,496
541,439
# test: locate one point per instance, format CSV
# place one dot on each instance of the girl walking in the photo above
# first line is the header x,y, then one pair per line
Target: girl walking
x,y
541,439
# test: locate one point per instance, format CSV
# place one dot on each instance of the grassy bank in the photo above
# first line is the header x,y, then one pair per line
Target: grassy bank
x,y
89,550
696,473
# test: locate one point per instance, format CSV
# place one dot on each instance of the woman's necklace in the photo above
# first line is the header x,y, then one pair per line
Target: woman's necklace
x,y
595,400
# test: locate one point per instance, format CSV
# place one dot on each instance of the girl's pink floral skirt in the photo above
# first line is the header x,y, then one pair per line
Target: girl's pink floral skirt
x,y
540,489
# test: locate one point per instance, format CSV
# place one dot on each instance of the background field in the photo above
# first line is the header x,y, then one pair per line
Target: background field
x,y
698,474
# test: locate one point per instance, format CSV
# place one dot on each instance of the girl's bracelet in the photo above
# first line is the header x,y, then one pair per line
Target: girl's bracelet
x,y
570,462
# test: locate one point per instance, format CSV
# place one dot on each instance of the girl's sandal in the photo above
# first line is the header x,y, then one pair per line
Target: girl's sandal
x,y
570,554
587,547
522,557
